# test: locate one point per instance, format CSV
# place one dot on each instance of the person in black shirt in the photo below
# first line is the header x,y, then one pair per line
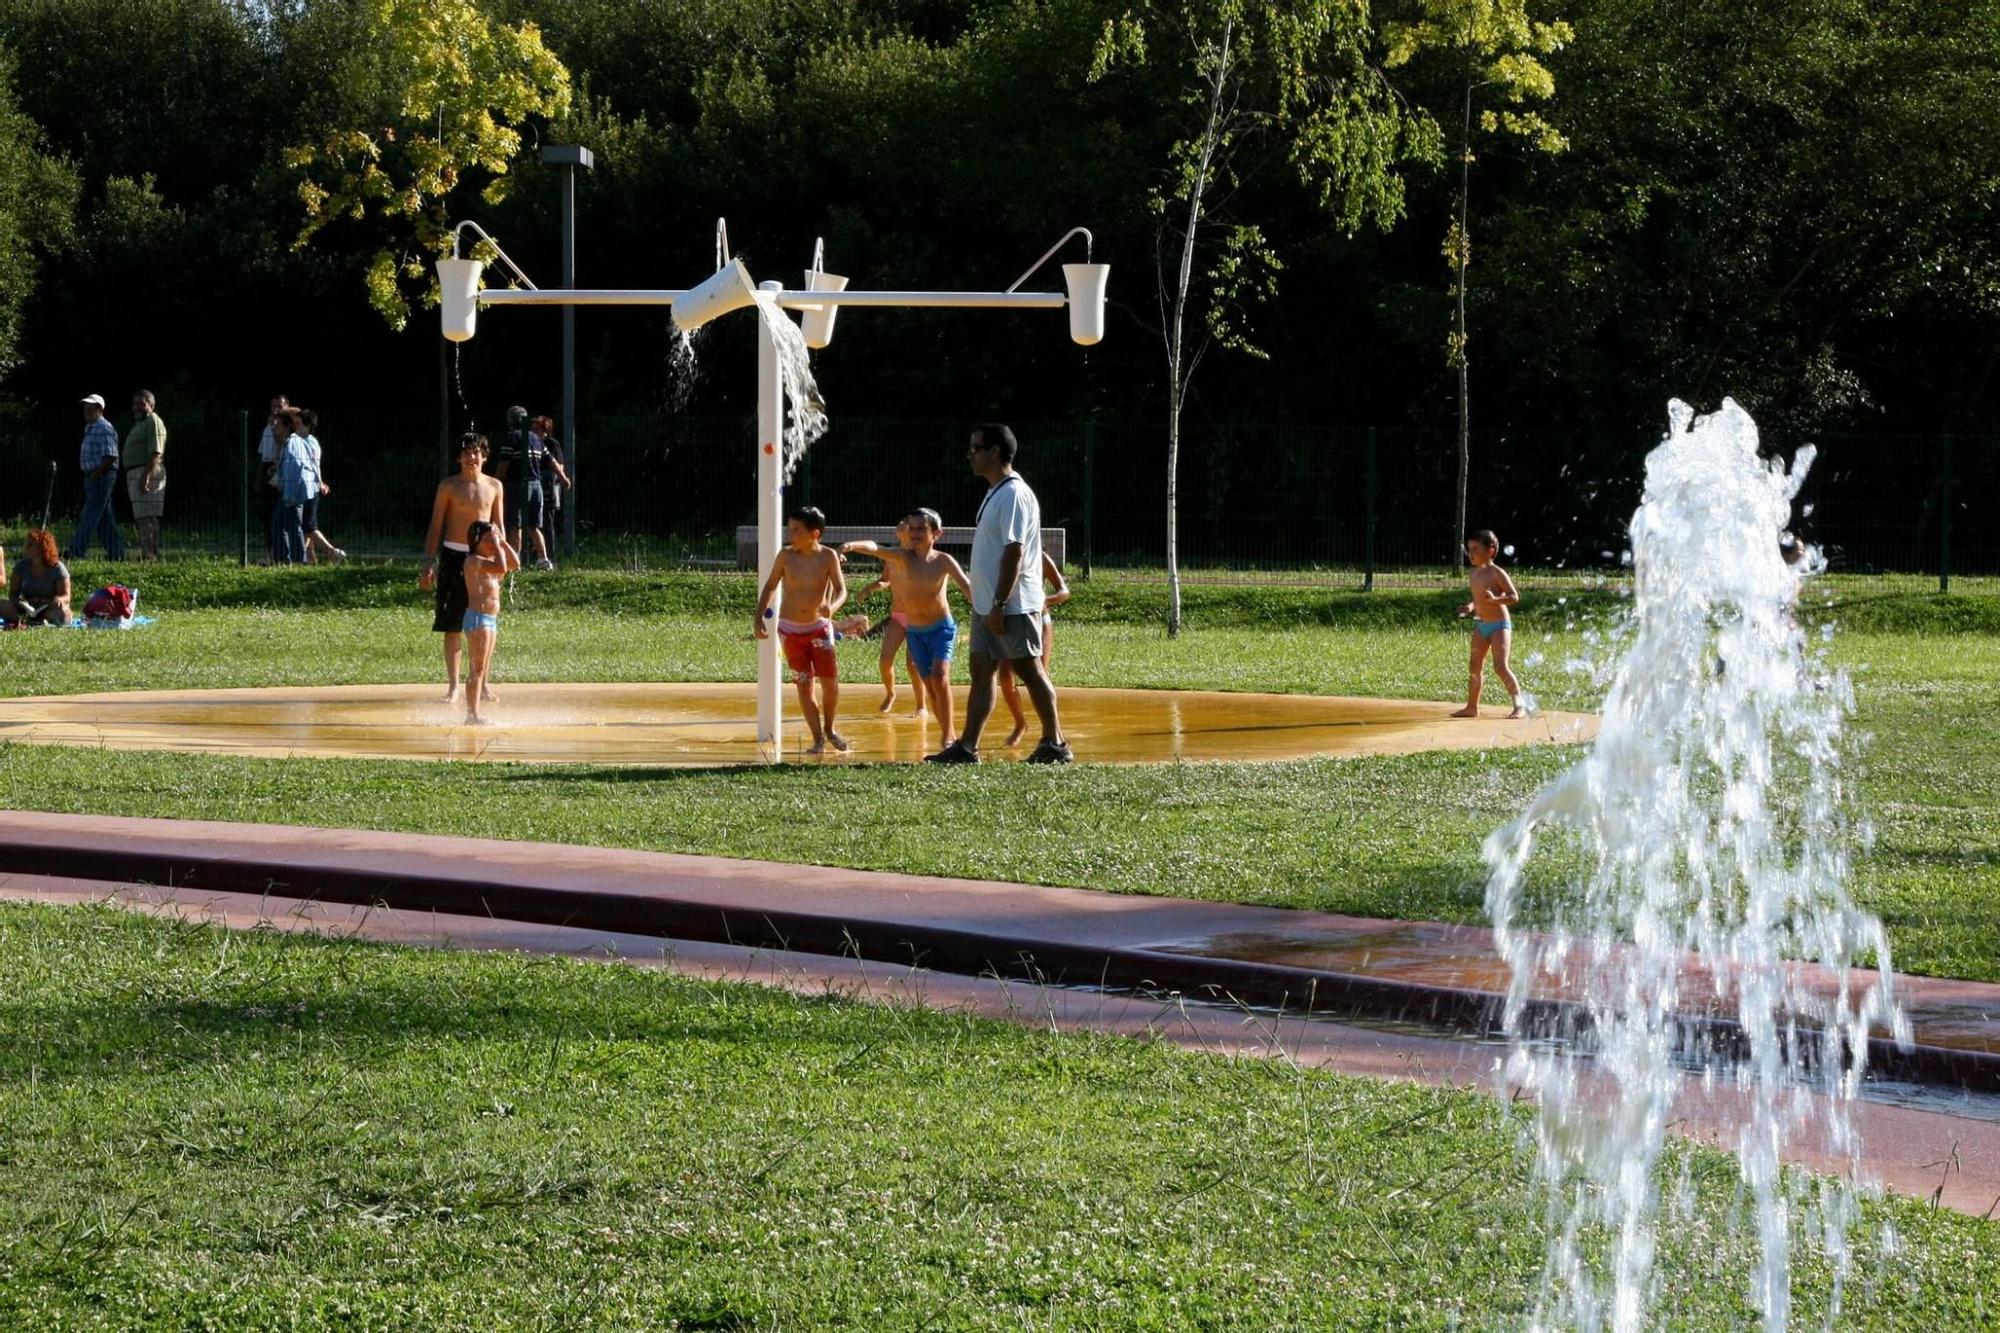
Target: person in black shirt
x,y
518,463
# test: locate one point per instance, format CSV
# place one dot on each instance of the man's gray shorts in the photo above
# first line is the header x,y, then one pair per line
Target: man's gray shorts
x,y
1022,638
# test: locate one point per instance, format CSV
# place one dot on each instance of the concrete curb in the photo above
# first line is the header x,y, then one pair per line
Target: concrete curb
x,y
300,873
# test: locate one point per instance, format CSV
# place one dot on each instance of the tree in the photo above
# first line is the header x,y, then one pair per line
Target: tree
x,y
1289,79
38,196
1494,47
424,95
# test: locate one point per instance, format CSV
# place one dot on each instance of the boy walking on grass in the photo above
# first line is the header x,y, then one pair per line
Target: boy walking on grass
x,y
918,578
1493,593
813,588
489,560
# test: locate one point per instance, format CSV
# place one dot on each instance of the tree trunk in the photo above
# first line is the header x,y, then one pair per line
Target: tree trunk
x,y
1461,259
1176,330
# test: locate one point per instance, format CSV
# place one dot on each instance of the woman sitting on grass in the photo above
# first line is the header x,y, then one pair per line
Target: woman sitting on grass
x,y
38,590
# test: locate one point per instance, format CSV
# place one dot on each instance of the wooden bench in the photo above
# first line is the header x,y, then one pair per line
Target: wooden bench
x,y
958,541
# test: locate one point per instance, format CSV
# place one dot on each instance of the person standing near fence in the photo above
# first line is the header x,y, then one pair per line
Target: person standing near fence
x,y
316,540
268,454
146,472
1007,600
298,483
98,458
518,464
554,478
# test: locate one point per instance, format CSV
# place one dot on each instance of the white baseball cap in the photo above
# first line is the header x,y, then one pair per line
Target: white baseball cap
x,y
96,398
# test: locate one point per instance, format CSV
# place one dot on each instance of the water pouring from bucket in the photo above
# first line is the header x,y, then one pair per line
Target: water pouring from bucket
x,y
1710,923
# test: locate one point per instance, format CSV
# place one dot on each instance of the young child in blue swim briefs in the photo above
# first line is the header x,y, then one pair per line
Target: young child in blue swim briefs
x,y
488,560
923,575
1493,594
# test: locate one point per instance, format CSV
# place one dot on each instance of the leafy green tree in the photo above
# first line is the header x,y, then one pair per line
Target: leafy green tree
x,y
422,96
1787,201
1253,80
1494,49
38,196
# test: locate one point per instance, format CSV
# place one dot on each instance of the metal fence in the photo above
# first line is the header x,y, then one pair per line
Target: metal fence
x,y
1339,505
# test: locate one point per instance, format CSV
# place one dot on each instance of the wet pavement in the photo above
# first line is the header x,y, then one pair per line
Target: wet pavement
x,y
698,725
1940,1151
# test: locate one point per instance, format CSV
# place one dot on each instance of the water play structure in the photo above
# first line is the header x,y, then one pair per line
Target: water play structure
x,y
783,376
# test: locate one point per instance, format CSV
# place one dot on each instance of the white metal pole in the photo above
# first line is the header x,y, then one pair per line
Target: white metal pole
x,y
770,531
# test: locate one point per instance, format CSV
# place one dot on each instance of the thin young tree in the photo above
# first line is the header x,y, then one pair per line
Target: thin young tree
x,y
1493,47
1257,83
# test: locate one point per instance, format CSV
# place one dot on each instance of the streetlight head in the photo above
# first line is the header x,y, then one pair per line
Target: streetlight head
x,y
568,155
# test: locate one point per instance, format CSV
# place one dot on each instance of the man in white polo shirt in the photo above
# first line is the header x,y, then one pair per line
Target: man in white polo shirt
x,y
1006,600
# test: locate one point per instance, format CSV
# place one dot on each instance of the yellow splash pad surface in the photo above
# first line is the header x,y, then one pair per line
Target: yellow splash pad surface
x,y
698,725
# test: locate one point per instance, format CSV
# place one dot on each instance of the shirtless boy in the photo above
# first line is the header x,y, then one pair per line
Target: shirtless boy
x,y
1492,625
468,498
489,561
813,589
917,579
896,626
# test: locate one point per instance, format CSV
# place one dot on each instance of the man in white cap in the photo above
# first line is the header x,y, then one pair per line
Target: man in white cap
x,y
99,460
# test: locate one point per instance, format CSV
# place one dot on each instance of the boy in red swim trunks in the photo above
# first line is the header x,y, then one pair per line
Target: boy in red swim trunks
x,y
813,589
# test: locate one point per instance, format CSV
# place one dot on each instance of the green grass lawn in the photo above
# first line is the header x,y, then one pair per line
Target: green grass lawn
x,y
1378,837
205,1130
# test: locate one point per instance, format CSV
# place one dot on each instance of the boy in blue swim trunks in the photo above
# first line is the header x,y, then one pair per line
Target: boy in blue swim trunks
x,y
930,632
1493,593
487,562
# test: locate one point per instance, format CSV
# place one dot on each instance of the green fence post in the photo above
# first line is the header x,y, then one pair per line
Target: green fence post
x,y
243,483
1944,524
1089,472
1368,540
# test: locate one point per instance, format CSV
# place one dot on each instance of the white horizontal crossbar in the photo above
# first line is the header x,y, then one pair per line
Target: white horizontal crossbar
x,y
788,299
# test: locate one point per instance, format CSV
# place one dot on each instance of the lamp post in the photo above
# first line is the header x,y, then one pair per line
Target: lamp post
x,y
569,157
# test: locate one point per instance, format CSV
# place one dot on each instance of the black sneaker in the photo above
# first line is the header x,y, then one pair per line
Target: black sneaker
x,y
953,754
1051,752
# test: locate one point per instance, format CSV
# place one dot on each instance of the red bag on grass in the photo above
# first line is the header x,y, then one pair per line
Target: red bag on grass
x,y
114,602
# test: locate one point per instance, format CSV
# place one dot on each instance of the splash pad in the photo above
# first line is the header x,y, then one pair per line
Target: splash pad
x,y
704,725
790,413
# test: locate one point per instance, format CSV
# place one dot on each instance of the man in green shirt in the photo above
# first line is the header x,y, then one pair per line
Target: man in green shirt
x,y
144,463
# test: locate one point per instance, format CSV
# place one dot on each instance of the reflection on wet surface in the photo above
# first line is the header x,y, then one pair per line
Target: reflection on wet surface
x,y
694,725
1961,1015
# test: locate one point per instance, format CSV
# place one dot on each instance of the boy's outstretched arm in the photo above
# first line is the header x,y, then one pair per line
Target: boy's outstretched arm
x,y
764,600
839,597
956,573
866,548
1052,574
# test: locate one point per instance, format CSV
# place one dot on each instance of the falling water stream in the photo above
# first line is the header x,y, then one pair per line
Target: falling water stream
x,y
1691,870
805,409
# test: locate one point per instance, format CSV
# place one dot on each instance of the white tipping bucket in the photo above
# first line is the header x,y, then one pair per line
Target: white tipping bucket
x,y
816,321
1086,301
728,288
458,285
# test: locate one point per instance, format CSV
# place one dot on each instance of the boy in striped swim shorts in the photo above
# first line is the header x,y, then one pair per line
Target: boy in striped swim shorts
x,y
813,588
